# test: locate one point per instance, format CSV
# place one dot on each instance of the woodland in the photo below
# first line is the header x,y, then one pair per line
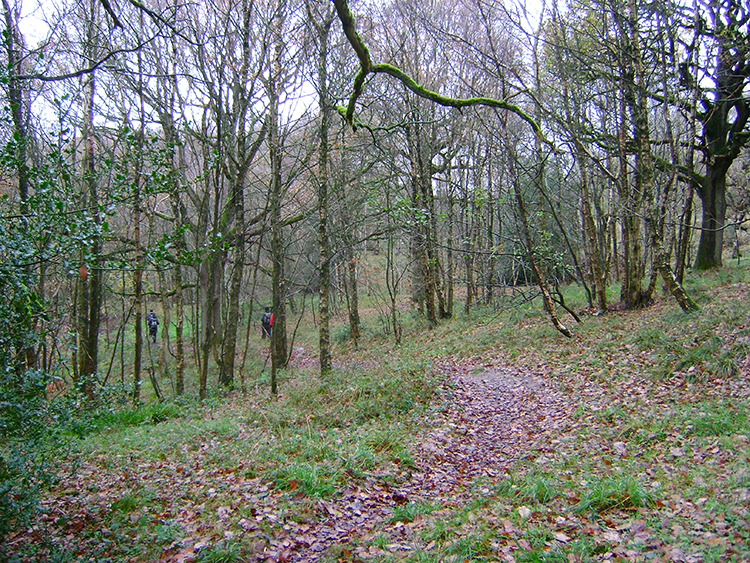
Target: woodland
x,y
503,245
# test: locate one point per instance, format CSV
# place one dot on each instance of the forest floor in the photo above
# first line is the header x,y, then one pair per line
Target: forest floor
x,y
552,450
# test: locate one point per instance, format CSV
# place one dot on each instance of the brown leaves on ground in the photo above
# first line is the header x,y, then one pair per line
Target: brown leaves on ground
x,y
542,459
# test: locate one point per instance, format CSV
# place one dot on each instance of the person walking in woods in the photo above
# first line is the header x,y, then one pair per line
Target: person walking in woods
x,y
153,324
266,322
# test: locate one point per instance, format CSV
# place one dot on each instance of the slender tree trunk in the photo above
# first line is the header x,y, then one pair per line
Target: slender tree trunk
x,y
631,196
593,249
90,273
549,304
278,282
489,275
392,280
324,266
236,168
179,312
137,292
449,243
420,283
683,236
16,100
250,319
207,282
350,288
229,348
87,361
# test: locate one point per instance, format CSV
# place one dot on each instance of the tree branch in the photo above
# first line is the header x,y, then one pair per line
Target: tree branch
x,y
367,67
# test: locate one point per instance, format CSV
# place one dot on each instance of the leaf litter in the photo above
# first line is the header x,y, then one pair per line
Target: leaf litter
x,y
506,467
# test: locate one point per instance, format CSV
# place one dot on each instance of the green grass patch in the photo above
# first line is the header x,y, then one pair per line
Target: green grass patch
x,y
542,556
471,547
312,479
622,492
534,487
539,489
224,552
409,511
718,419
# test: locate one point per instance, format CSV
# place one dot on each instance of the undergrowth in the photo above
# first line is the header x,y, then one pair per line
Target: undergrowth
x,y
157,472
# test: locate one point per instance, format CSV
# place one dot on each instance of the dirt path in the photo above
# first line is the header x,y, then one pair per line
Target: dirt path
x,y
495,416
491,416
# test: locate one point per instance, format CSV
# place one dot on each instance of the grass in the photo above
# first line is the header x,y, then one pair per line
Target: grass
x,y
623,492
539,489
251,473
312,479
720,419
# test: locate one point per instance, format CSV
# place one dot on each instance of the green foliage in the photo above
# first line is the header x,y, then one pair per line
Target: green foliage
x,y
25,414
474,547
718,420
537,489
409,511
135,415
315,480
542,556
225,552
24,473
615,492
112,409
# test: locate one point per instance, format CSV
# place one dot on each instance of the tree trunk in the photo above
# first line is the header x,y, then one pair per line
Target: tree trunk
x,y
549,304
324,265
449,244
90,279
673,284
712,193
138,295
489,274
278,283
592,247
352,294
179,305
722,92
229,347
631,189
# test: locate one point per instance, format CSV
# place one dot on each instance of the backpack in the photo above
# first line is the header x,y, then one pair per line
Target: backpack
x,y
267,319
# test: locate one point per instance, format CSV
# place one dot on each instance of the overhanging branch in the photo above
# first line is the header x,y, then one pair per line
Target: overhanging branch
x,y
366,67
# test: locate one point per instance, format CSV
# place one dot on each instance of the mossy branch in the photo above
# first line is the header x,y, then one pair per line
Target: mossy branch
x,y
366,67
363,54
459,103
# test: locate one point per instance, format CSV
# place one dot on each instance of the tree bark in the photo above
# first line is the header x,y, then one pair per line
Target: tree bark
x,y
325,106
90,279
278,282
725,115
712,193
549,304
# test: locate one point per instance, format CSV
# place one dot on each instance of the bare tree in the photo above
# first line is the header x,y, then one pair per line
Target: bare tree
x,y
723,94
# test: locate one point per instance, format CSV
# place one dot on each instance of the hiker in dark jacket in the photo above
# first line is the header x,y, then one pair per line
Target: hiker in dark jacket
x,y
266,323
153,324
